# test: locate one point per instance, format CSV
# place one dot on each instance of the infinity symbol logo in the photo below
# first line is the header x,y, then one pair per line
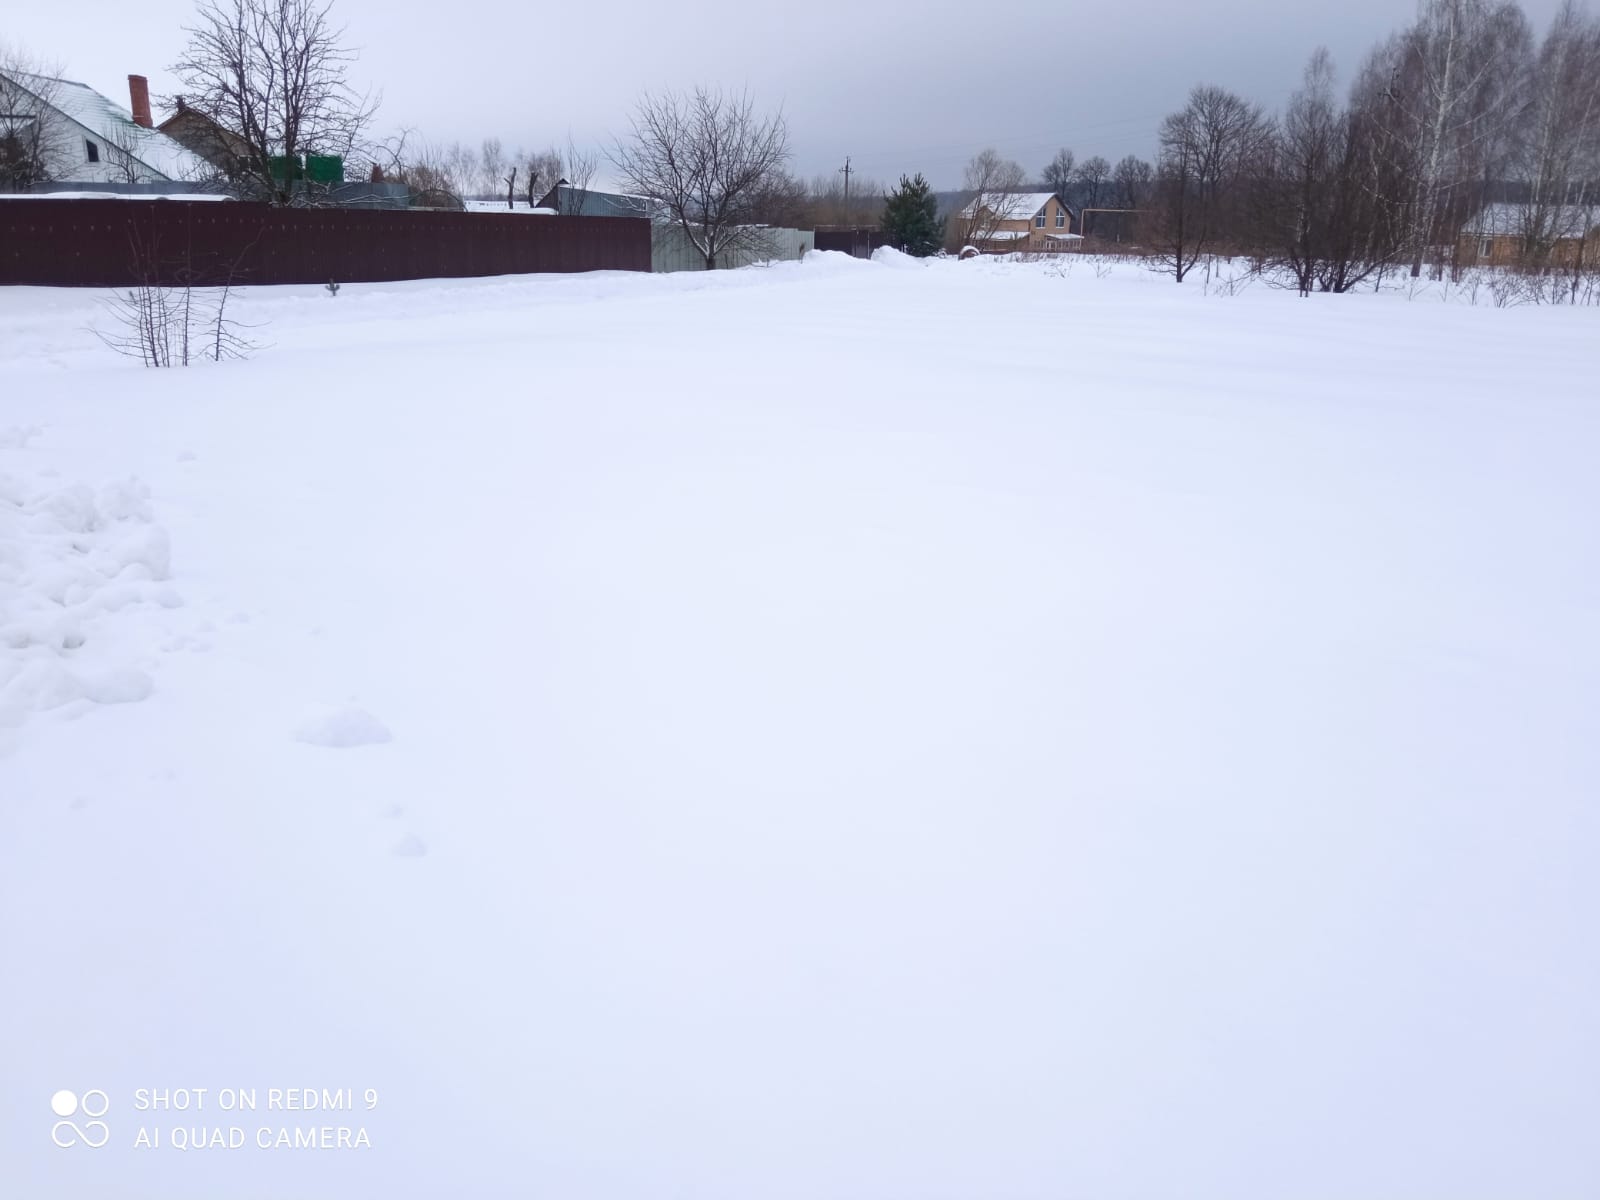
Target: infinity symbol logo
x,y
93,1133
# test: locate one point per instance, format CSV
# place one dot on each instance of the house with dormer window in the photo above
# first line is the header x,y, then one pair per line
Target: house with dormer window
x,y
1011,222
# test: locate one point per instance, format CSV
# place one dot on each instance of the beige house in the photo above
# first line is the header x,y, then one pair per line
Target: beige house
x,y
1019,222
1509,234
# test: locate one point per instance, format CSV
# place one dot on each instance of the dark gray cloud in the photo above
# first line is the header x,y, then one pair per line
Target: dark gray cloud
x,y
897,87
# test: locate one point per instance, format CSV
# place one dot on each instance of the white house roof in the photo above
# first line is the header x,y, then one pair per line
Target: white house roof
x,y
1014,206
1005,235
114,124
1511,220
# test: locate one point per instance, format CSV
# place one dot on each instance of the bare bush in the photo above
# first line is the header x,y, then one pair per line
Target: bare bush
x,y
173,324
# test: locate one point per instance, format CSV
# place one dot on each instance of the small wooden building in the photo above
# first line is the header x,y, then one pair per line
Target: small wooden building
x,y
1504,235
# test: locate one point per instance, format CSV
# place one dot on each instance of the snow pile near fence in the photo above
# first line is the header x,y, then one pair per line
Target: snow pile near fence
x,y
77,564
888,256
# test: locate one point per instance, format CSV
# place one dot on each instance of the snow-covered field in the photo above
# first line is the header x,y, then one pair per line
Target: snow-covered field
x,y
844,731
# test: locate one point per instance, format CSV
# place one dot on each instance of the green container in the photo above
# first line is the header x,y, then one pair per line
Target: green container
x,y
325,168
284,167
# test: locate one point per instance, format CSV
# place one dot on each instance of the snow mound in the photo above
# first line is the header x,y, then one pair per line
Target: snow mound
x,y
410,846
17,437
342,728
76,567
830,260
888,256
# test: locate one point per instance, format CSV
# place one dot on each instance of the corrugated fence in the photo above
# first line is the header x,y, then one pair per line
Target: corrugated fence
x,y
674,252
116,243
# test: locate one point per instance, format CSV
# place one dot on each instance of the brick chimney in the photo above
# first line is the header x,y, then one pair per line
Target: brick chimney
x,y
139,94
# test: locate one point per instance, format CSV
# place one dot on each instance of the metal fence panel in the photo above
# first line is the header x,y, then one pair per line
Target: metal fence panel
x,y
671,249
115,243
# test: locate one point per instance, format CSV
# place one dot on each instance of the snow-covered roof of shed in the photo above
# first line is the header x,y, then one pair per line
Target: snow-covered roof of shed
x,y
499,206
1014,206
113,123
1511,220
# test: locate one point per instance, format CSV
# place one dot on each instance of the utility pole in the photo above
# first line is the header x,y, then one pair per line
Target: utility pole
x,y
845,171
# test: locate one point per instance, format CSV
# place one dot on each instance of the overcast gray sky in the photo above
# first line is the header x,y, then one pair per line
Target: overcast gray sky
x,y
898,87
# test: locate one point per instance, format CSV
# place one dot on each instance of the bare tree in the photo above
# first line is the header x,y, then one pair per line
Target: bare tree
x,y
1061,172
545,171
1132,177
1450,105
492,164
275,73
1092,175
988,182
121,151
426,170
32,135
781,201
578,168
827,204
1204,150
1299,190
462,168
1560,146
1315,209
705,160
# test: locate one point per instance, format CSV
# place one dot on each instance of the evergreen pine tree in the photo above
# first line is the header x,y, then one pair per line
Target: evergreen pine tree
x,y
911,218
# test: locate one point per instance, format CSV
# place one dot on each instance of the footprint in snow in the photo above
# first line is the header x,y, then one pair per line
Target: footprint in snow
x,y
341,728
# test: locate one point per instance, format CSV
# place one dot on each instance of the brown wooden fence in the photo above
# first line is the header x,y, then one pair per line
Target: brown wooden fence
x,y
115,243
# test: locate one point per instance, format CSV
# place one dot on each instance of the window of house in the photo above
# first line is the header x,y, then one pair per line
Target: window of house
x,y
1039,220
1486,248
1061,218
94,151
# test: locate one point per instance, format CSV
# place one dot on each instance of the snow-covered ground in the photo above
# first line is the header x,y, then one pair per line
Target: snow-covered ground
x,y
844,730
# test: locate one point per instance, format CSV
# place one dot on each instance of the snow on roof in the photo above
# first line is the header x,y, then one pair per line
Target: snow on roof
x,y
1014,206
1511,220
1065,237
113,123
1005,235
499,206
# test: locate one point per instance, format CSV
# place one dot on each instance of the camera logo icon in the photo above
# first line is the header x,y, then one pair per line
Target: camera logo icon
x,y
66,1132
